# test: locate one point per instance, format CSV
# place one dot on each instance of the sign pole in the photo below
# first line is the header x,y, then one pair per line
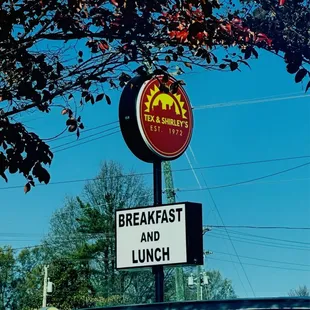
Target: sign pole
x,y
158,271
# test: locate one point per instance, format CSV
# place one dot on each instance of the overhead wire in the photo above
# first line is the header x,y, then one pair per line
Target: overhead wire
x,y
60,243
260,227
264,266
175,170
217,105
230,104
84,138
228,235
258,242
215,205
236,269
268,238
86,130
88,141
265,260
254,239
246,181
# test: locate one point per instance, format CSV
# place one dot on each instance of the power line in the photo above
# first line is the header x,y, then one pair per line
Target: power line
x,y
179,170
265,260
220,216
85,130
91,140
84,138
269,238
259,227
230,104
294,246
253,162
246,181
251,241
264,266
210,194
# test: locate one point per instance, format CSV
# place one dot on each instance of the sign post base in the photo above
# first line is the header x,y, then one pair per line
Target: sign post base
x,y
158,272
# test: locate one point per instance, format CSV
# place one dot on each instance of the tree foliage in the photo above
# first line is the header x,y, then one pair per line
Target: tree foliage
x,y
7,284
29,280
287,24
99,44
83,233
301,291
80,253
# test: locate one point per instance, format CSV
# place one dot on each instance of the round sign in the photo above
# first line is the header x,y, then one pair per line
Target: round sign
x,y
156,118
164,118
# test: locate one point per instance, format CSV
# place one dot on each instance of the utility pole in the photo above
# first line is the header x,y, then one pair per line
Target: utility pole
x,y
199,286
170,194
45,287
200,278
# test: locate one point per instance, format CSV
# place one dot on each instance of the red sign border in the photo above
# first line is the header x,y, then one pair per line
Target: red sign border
x,y
141,127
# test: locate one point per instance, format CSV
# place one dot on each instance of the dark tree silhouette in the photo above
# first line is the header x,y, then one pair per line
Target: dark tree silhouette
x,y
301,291
68,51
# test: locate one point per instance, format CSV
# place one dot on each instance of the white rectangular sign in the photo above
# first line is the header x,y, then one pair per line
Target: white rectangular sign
x,y
151,236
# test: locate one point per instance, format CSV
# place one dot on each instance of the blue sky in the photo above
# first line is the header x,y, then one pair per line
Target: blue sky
x,y
225,135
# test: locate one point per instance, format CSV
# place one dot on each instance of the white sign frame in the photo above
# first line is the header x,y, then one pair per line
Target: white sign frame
x,y
158,235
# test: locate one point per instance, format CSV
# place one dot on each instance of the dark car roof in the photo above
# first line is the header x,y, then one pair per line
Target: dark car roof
x,y
233,304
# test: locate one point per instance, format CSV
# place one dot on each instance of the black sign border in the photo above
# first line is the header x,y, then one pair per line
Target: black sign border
x,y
129,122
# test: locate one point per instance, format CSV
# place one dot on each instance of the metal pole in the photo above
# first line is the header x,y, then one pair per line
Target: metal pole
x,y
158,271
44,287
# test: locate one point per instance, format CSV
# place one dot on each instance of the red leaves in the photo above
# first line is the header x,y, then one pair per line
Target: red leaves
x,y
226,27
236,30
72,124
188,27
261,37
281,2
27,188
180,36
114,2
188,64
103,45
